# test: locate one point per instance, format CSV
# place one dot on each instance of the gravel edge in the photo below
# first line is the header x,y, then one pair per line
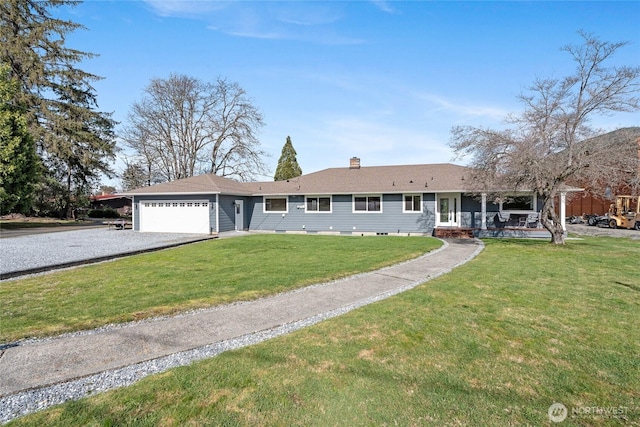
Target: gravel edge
x,y
26,402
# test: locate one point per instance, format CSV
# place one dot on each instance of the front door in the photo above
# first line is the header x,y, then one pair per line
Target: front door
x,y
448,214
239,218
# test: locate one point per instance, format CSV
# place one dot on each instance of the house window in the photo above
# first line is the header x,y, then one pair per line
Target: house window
x,y
275,204
412,203
318,204
518,203
367,204
174,204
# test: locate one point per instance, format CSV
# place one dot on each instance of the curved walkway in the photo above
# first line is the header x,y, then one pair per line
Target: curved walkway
x,y
38,374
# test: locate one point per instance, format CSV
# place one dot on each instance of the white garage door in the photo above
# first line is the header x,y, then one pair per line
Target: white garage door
x,y
175,216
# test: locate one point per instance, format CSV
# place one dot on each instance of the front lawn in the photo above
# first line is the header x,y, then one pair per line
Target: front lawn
x,y
493,343
190,277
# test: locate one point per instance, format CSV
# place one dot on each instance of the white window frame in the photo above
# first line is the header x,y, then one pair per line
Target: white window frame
x,y
264,204
534,203
317,198
367,196
404,206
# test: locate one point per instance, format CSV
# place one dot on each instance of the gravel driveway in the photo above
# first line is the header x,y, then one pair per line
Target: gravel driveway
x,y
39,251
587,230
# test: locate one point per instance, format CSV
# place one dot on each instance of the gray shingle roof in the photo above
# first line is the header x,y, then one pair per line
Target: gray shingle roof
x,y
373,179
201,184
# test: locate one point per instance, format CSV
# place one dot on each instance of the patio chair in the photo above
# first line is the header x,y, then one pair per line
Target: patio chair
x,y
534,218
503,216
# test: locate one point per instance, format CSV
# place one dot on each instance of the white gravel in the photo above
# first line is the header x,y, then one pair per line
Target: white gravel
x,y
587,230
64,247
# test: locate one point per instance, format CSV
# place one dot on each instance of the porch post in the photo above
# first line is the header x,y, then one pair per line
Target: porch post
x,y
217,216
483,220
563,210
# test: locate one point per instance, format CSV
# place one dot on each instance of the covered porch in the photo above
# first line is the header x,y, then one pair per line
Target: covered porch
x,y
516,216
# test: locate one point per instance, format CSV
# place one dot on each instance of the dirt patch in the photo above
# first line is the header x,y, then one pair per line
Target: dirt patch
x,y
587,230
22,218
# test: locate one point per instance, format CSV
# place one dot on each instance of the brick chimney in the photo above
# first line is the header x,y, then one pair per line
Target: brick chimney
x,y
354,163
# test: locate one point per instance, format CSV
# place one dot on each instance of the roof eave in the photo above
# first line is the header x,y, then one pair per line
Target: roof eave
x,y
165,193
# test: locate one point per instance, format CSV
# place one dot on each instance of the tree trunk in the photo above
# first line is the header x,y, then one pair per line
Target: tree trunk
x,y
551,221
67,209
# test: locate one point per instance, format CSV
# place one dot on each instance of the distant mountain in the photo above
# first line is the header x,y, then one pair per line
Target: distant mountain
x,y
618,138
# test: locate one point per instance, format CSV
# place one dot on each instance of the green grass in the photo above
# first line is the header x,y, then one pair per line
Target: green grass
x,y
493,343
193,276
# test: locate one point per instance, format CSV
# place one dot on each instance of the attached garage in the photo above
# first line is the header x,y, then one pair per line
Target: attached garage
x,y
175,216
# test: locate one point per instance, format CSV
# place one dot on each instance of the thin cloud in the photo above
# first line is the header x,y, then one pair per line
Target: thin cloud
x,y
182,8
381,142
439,103
303,21
384,6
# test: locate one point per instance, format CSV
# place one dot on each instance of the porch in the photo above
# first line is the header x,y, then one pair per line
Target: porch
x,y
512,224
505,232
518,219
519,233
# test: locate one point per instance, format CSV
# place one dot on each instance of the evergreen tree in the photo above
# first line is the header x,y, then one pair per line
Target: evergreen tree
x,y
18,158
134,176
288,166
74,141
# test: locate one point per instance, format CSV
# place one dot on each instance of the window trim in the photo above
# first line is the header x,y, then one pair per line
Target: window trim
x,y
412,195
317,198
534,203
264,204
367,196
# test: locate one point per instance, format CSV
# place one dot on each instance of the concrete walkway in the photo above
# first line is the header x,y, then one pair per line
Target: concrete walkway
x,y
34,365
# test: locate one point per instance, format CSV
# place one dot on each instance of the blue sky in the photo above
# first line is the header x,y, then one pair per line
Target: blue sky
x,y
381,80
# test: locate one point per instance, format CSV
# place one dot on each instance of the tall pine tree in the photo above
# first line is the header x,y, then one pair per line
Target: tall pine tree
x,y
18,159
74,140
288,166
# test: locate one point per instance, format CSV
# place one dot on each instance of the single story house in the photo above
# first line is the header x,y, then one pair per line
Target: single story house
x,y
422,199
117,202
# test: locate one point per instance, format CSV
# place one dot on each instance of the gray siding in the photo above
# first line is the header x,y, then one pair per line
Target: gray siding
x,y
135,215
228,214
342,219
471,211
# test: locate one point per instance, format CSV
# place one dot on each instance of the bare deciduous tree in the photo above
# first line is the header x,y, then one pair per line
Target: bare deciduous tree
x,y
621,176
550,142
183,127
